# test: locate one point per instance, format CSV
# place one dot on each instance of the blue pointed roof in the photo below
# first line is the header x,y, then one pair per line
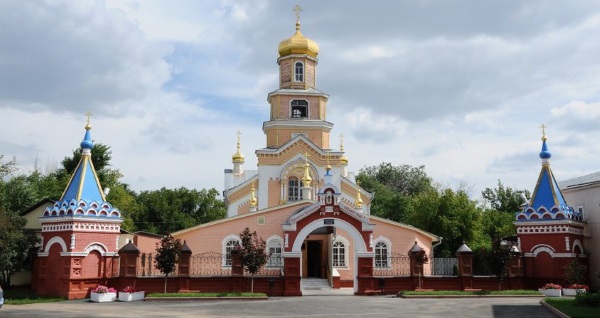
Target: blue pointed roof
x,y
547,201
83,196
84,184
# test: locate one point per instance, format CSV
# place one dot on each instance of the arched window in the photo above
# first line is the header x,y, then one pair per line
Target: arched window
x,y
274,252
229,244
298,72
294,193
381,255
299,108
339,254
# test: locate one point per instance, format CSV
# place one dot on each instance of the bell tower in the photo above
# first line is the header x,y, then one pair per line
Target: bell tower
x,y
297,107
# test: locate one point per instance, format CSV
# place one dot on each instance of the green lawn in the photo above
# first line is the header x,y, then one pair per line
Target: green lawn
x,y
518,292
23,296
222,295
566,306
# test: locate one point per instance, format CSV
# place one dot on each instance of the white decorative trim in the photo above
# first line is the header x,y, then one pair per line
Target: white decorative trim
x,y
81,227
291,254
82,254
359,243
96,246
577,243
346,244
542,248
230,237
56,239
567,243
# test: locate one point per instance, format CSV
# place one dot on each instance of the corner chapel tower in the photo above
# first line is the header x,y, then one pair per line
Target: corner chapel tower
x,y
297,157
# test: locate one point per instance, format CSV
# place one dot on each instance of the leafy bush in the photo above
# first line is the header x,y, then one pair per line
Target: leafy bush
x,y
587,299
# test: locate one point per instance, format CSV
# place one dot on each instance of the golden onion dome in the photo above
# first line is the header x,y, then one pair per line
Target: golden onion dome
x,y
237,157
344,160
298,44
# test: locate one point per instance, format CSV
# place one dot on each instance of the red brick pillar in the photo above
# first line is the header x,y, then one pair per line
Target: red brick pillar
x,y
364,274
128,260
465,266
184,267
291,275
417,258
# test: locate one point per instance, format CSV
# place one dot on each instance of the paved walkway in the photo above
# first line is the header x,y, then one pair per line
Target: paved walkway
x,y
331,306
320,287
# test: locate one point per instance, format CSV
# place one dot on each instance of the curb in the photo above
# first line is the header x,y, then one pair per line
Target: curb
x,y
202,298
471,296
553,310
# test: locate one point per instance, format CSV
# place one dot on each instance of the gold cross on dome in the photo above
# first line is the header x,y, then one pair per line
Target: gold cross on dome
x,y
88,114
543,131
342,142
297,9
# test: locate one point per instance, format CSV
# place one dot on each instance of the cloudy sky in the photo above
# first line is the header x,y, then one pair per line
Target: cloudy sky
x,y
461,87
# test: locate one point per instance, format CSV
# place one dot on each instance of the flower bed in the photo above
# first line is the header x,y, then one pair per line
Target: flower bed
x,y
102,294
129,294
574,289
551,290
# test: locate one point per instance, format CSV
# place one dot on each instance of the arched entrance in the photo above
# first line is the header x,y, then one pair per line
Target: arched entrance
x,y
313,249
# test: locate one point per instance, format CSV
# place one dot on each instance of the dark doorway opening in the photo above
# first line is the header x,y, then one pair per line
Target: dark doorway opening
x,y
314,254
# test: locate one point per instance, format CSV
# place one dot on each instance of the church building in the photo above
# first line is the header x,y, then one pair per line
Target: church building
x,y
312,213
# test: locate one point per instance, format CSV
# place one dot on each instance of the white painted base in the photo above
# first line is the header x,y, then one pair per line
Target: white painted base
x,y
571,291
123,296
103,297
550,292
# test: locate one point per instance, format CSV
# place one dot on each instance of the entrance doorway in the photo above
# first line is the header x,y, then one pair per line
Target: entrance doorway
x,y
314,254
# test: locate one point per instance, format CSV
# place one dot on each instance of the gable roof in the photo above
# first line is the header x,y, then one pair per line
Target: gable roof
x,y
588,179
43,201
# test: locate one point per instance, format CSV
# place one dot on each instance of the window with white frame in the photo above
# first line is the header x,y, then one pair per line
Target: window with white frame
x,y
299,108
229,243
294,193
381,255
339,254
274,248
298,72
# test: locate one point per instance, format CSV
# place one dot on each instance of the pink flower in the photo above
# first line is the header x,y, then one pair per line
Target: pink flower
x,y
579,286
129,289
552,286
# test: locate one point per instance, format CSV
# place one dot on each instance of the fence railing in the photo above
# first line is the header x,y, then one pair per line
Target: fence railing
x,y
393,265
444,266
206,264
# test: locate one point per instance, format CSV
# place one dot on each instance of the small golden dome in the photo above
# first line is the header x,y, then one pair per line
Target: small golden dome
x,y
344,160
298,44
237,157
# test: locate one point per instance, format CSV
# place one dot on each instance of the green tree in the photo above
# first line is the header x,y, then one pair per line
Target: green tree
x,y
500,257
447,213
170,210
405,179
168,251
254,255
505,199
16,244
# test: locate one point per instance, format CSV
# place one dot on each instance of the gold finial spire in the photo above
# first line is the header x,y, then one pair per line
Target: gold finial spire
x,y
306,179
341,142
253,199
297,9
328,167
359,200
237,156
88,126
544,138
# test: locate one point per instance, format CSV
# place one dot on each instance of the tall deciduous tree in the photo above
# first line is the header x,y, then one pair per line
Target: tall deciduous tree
x,y
500,257
505,199
168,251
169,210
15,245
254,255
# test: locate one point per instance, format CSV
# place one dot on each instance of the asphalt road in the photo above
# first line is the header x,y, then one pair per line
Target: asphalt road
x,y
308,306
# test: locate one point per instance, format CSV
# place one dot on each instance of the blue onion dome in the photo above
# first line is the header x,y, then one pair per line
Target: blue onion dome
x,y
545,153
87,140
